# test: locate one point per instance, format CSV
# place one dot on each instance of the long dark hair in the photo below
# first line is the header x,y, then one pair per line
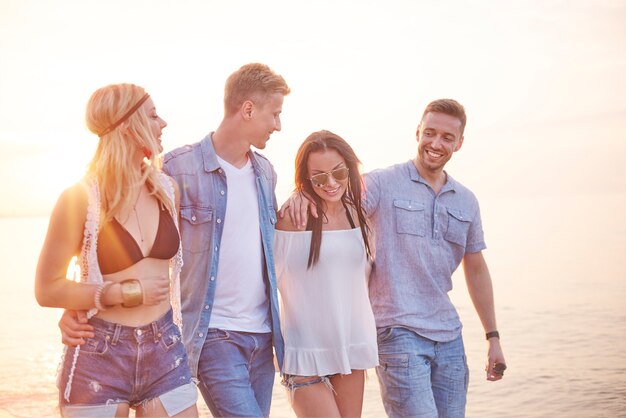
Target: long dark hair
x,y
318,142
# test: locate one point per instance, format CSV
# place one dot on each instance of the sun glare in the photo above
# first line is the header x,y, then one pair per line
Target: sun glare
x,y
59,168
73,270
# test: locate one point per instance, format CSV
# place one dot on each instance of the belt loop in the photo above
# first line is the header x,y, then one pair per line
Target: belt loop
x,y
116,334
155,331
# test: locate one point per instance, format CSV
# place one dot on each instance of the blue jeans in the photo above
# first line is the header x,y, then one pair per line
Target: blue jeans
x,y
420,377
123,364
236,373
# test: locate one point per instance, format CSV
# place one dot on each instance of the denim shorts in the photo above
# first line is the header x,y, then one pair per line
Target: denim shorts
x,y
123,364
293,382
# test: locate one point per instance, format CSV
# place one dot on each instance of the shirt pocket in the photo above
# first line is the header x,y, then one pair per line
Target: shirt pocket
x,y
410,217
458,227
196,228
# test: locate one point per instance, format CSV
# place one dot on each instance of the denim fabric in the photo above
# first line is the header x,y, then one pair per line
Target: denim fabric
x,y
420,377
204,193
421,238
236,373
123,364
292,383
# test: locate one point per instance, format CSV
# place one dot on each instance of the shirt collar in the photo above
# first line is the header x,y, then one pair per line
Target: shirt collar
x,y
415,176
209,155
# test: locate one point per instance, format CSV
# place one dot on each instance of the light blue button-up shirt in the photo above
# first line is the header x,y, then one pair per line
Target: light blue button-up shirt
x,y
203,197
421,238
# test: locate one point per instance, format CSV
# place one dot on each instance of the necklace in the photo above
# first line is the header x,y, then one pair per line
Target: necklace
x,y
137,216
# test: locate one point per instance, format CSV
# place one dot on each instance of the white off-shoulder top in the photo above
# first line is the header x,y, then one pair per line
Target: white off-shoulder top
x,y
326,316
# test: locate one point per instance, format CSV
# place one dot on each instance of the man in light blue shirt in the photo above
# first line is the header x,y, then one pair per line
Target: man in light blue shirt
x,y
425,224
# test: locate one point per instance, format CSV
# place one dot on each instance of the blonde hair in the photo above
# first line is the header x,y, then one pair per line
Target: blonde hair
x,y
112,164
252,82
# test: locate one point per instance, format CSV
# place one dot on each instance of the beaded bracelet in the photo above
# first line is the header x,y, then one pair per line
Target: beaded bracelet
x,y
102,287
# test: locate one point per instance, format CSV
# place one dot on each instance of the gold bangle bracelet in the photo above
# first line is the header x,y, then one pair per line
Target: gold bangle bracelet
x,y
132,293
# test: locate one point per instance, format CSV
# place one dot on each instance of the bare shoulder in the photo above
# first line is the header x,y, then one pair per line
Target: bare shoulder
x,y
74,197
285,224
67,220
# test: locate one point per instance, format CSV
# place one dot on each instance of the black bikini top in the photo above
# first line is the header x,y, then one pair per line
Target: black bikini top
x,y
118,250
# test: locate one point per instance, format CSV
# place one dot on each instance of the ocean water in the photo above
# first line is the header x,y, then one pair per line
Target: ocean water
x,y
559,271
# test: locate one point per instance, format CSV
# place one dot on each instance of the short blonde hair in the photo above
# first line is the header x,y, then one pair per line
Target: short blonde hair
x,y
252,82
113,160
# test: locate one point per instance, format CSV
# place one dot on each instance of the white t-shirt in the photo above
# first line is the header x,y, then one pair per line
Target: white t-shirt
x,y
240,302
326,316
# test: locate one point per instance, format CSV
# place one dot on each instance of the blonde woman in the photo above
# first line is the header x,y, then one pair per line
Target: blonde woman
x,y
121,222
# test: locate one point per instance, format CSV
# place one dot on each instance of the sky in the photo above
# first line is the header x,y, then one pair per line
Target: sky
x,y
543,83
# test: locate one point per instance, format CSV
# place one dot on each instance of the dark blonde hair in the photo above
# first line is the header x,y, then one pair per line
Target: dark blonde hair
x,y
318,142
252,82
113,160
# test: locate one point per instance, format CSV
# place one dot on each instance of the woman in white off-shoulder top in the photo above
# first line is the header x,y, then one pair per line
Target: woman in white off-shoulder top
x,y
327,320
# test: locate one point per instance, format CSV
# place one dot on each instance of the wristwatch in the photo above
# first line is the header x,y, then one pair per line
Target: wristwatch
x,y
492,334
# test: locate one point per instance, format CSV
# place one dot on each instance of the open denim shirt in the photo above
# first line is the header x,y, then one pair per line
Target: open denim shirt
x,y
203,192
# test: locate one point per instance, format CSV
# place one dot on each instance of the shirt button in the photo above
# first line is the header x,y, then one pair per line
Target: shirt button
x,y
222,192
138,332
219,221
200,334
206,306
193,218
212,279
215,248
220,171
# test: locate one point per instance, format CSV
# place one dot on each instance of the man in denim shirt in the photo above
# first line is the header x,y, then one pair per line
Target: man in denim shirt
x,y
227,217
228,282
425,224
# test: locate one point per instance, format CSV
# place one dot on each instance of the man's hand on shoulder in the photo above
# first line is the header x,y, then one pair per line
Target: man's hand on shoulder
x,y
297,207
